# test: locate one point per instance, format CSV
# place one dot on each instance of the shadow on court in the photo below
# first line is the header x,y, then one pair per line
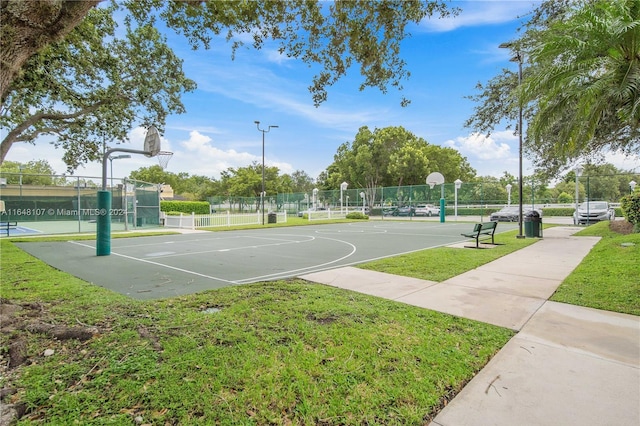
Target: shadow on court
x,y
165,266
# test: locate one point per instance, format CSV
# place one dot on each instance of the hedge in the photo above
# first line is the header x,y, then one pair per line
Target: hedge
x,y
188,207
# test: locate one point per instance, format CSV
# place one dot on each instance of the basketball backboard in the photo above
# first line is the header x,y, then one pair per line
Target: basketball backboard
x,y
152,142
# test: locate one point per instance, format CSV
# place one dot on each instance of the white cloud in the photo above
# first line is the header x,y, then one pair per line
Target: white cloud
x,y
480,12
275,56
198,156
483,147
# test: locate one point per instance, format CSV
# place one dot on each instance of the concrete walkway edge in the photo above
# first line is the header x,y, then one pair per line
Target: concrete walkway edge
x,y
568,365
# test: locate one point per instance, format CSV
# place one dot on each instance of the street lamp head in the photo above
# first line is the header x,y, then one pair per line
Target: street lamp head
x,y
632,185
578,170
273,127
118,157
458,183
257,122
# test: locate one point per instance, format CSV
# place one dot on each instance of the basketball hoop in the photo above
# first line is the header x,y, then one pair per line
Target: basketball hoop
x,y
434,179
163,158
152,142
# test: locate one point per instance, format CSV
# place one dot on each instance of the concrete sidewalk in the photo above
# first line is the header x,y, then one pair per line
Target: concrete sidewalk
x,y
568,365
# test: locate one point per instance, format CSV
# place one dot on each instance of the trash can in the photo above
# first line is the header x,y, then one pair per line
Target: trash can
x,y
532,224
272,218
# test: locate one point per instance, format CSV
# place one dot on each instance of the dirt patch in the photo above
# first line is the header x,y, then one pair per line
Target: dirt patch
x,y
621,227
17,323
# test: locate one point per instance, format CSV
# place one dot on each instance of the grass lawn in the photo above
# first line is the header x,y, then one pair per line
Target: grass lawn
x,y
442,263
283,352
609,276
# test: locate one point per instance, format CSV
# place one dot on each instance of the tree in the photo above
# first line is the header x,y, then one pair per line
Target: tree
x,y
301,181
392,156
35,172
580,78
93,87
37,34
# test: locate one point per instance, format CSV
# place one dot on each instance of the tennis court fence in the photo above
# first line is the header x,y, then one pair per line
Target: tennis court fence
x,y
227,219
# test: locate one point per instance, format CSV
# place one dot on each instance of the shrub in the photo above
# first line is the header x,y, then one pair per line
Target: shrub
x,y
188,207
357,215
630,206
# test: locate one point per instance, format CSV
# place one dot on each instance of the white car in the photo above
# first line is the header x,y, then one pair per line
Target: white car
x,y
427,210
593,211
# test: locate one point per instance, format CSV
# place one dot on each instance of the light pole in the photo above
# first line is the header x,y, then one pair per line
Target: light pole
x,y
518,58
458,184
115,157
509,186
362,195
343,187
632,185
262,194
315,199
578,171
21,168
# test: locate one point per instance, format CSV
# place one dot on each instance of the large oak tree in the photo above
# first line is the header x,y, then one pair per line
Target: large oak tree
x,y
43,40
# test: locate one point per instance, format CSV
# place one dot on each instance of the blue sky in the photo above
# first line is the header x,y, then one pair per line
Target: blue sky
x,y
446,58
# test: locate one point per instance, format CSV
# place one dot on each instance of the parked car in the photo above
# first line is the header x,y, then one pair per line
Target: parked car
x,y
427,210
593,211
389,211
405,211
510,214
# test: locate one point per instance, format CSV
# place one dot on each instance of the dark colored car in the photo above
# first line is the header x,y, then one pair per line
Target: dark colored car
x,y
510,214
405,211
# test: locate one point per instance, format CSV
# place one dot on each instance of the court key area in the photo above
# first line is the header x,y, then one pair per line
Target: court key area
x,y
165,266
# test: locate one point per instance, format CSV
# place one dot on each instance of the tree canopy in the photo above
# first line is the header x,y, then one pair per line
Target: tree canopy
x,y
65,71
580,83
93,87
392,156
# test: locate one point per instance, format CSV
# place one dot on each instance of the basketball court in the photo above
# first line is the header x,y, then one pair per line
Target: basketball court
x,y
165,266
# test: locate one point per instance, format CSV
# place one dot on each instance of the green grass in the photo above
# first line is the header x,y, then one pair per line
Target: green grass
x,y
442,263
609,276
284,352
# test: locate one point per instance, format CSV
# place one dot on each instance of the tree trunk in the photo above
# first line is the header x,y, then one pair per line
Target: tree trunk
x,y
29,25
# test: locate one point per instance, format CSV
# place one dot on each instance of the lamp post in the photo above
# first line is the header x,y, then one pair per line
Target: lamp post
x,y
343,187
315,198
518,58
347,204
263,193
632,185
578,171
21,168
458,184
115,157
509,186
362,195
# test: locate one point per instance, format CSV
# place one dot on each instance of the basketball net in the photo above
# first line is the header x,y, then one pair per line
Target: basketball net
x,y
163,158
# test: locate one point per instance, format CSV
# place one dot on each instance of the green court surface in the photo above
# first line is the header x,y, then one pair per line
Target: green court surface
x,y
165,266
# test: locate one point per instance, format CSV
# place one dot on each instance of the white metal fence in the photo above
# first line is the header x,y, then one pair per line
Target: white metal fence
x,y
326,214
195,221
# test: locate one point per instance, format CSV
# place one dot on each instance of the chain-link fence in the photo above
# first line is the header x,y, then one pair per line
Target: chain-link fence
x,y
46,204
484,195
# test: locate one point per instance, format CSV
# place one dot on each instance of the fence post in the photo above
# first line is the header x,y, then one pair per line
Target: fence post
x,y
193,221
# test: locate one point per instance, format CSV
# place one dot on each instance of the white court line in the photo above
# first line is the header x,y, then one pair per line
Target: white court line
x,y
292,271
252,246
159,264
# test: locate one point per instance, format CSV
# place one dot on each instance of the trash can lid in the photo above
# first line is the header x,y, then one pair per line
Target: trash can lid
x,y
532,213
